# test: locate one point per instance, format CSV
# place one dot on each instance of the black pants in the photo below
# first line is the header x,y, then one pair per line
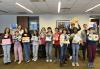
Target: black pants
x,y
84,49
70,48
42,51
57,51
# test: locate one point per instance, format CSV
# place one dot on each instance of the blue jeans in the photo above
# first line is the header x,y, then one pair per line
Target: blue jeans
x,y
63,51
6,51
49,46
27,50
35,51
75,49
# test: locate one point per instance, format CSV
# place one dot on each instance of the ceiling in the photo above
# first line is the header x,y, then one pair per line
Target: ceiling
x,y
48,6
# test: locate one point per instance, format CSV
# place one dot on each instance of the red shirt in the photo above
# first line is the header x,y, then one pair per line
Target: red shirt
x,y
56,38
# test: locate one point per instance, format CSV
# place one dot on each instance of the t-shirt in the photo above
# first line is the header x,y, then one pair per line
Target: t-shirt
x,y
35,40
64,39
56,38
49,37
42,38
76,38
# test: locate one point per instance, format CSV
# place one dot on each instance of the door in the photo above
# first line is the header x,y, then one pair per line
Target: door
x,y
23,21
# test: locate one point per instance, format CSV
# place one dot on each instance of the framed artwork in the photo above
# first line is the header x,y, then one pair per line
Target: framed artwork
x,y
33,23
33,26
62,23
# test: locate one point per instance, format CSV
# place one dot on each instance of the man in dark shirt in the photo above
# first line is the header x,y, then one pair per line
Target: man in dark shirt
x,y
84,38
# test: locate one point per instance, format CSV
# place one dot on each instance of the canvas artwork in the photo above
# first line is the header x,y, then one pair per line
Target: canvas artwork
x,y
62,23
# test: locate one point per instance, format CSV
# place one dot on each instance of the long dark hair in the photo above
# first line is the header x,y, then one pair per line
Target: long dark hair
x,y
57,29
6,29
50,29
65,29
37,34
18,27
25,30
43,28
75,30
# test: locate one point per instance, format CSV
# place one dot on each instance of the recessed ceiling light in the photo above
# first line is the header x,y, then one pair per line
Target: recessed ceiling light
x,y
59,6
93,8
24,7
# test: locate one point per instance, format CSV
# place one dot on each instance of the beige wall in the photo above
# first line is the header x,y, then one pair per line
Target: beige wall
x,y
45,20
50,20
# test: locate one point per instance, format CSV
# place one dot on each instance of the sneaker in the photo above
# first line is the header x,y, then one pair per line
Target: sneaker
x,y
9,62
28,61
77,64
5,63
70,57
73,64
19,62
35,59
32,59
50,60
92,65
47,60
89,65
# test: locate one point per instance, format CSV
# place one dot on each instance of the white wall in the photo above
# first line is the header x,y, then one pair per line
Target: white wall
x,y
6,20
45,20
50,20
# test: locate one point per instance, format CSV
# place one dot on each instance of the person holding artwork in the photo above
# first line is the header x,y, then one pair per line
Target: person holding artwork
x,y
26,44
17,47
92,39
35,45
56,40
49,44
6,45
64,41
42,42
73,23
19,28
76,40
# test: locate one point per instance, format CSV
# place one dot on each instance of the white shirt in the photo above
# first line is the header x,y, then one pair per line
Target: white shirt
x,y
35,40
76,38
63,40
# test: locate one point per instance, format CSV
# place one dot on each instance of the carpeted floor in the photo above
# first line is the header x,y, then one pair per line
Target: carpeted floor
x,y
41,64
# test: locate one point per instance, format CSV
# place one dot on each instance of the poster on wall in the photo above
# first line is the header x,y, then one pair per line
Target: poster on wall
x,y
92,24
33,26
13,26
62,23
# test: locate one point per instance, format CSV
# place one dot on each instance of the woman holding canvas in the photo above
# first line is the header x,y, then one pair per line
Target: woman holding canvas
x,y
6,45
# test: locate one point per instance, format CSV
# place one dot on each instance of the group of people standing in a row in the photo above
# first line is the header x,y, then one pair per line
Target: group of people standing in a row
x,y
63,40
